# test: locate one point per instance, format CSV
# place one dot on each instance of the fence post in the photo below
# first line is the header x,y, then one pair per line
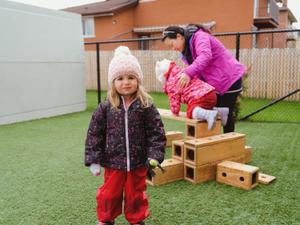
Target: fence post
x,y
237,46
98,72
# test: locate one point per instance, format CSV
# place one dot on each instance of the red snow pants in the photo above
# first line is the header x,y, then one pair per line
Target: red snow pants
x,y
208,101
110,195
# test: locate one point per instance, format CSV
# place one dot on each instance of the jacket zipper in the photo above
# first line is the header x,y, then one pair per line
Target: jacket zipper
x,y
127,140
126,134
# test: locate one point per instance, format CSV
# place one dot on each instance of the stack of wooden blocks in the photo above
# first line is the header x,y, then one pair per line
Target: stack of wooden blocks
x,y
205,155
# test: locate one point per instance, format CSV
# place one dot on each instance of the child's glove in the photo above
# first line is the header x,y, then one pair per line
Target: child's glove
x,y
95,169
152,164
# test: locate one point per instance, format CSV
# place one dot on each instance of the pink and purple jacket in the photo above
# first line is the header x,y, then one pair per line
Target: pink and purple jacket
x,y
195,90
212,62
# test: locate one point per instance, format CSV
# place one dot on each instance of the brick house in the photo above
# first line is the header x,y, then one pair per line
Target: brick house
x,y
125,19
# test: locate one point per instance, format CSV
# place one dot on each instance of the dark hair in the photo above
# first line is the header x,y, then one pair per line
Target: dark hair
x,y
187,32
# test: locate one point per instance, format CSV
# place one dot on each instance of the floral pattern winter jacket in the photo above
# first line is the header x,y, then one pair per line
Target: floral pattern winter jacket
x,y
195,90
124,139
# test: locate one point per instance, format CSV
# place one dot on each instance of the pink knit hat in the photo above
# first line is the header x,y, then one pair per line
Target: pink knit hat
x,y
122,63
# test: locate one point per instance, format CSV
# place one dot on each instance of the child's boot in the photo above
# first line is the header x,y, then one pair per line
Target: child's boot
x,y
106,223
223,112
139,223
203,114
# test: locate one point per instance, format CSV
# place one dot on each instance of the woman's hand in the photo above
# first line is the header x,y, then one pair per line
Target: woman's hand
x,y
184,80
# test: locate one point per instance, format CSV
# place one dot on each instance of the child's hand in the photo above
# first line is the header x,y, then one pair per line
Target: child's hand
x,y
153,162
95,169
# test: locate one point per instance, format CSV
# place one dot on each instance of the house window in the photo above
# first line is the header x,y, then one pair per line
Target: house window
x,y
256,8
144,45
268,8
88,27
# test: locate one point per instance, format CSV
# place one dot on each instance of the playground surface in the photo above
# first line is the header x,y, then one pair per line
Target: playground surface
x,y
43,180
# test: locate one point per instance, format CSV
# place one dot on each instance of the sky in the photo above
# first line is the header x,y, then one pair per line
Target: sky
x,y
294,5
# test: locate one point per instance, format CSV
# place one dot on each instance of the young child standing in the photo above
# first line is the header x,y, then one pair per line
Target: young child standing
x,y
125,133
199,96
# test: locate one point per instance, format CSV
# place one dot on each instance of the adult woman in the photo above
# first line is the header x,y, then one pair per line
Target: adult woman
x,y
208,59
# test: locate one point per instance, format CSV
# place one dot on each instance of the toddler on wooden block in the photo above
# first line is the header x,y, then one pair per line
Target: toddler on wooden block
x,y
199,96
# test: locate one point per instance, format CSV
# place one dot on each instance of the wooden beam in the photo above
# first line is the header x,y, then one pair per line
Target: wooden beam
x,y
167,114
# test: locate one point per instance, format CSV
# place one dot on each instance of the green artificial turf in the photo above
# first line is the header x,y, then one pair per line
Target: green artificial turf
x,y
284,111
44,182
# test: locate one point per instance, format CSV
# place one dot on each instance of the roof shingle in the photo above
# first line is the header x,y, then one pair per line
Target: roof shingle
x,y
100,8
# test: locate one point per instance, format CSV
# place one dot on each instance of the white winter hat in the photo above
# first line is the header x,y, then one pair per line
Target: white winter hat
x,y
122,63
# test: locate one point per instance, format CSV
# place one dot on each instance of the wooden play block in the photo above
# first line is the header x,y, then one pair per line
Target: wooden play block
x,y
165,113
172,136
178,149
194,128
207,172
173,172
248,154
215,148
198,129
237,174
265,179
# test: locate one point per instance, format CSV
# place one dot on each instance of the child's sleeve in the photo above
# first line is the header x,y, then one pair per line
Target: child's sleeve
x,y
175,103
95,140
156,139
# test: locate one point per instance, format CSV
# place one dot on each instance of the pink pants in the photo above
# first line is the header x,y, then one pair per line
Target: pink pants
x,y
110,195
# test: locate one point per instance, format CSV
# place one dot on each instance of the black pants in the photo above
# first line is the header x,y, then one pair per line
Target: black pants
x,y
229,100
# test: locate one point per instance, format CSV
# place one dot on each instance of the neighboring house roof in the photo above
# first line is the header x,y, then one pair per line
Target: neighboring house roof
x,y
150,29
105,8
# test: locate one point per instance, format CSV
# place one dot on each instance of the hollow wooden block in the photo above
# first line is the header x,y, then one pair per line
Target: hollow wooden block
x,y
248,154
237,174
173,171
207,172
215,148
198,129
177,150
172,136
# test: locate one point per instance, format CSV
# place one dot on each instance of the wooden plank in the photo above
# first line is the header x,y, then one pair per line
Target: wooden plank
x,y
265,179
167,114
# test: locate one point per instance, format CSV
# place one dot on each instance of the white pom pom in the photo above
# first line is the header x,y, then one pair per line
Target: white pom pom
x,y
161,68
122,50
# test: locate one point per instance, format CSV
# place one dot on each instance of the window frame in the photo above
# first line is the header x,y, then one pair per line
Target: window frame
x,y
144,45
85,20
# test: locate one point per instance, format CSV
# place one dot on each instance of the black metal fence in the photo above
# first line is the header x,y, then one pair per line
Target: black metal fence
x,y
272,88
